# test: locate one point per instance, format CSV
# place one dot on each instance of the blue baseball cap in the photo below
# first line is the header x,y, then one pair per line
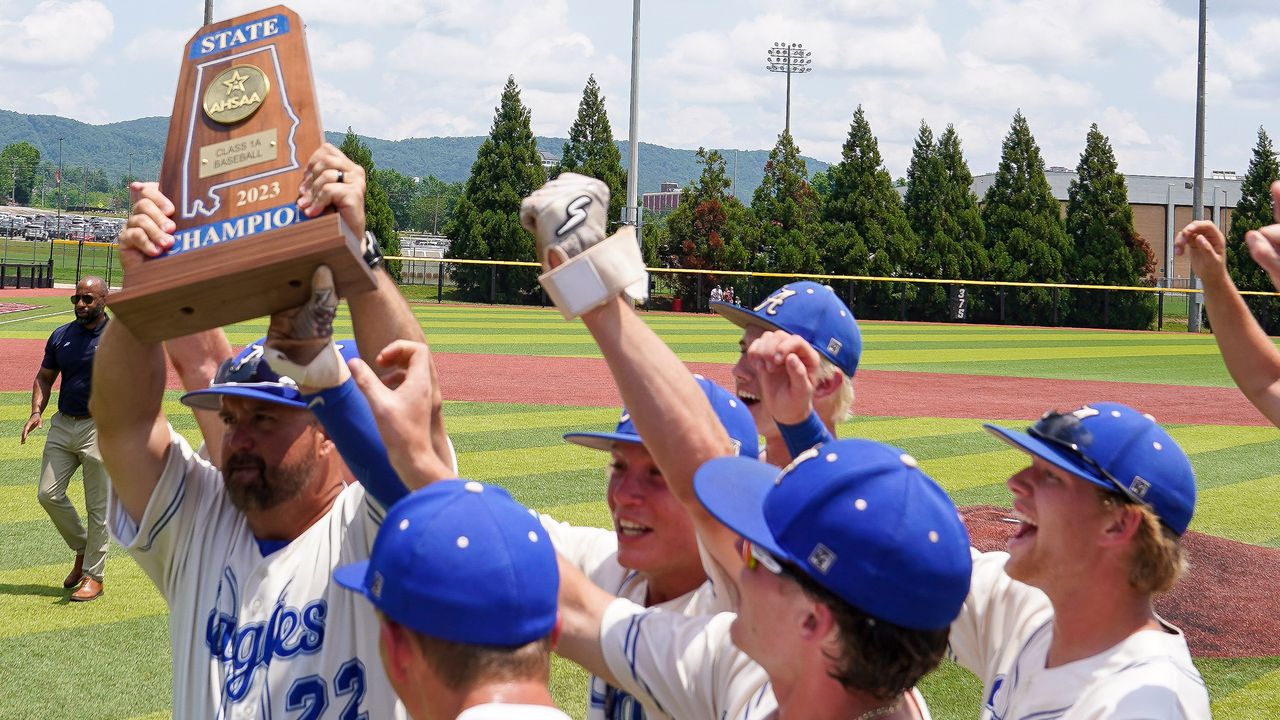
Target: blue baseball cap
x,y
734,416
858,518
1119,449
811,311
249,375
461,561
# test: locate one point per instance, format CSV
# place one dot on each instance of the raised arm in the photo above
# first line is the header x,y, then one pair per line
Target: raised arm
x,y
587,276
582,608
133,436
196,359
379,316
129,375
1251,358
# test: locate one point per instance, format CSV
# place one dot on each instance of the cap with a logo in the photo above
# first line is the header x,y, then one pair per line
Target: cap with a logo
x,y
1119,449
461,561
248,375
734,416
811,311
857,517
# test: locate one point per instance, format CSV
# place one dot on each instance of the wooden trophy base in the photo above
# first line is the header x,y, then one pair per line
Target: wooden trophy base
x,y
239,280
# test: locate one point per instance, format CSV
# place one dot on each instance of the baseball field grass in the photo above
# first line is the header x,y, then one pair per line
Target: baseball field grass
x,y
110,658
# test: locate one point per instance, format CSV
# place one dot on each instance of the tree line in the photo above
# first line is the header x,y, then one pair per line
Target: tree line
x,y
852,220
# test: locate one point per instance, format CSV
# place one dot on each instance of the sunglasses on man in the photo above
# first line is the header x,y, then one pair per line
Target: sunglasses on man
x,y
1066,432
85,298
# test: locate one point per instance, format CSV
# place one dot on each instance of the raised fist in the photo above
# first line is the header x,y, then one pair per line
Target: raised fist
x,y
567,215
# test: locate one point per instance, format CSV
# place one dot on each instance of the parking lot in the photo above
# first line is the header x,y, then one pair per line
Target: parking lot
x,y
37,224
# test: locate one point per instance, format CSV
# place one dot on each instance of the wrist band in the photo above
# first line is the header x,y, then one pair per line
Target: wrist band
x,y
591,278
806,434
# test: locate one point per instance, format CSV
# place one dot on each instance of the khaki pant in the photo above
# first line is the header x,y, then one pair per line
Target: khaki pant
x,y
71,444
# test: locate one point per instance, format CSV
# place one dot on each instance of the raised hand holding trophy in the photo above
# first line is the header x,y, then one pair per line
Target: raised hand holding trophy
x,y
244,123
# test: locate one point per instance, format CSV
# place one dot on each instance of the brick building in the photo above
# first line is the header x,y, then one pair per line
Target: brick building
x,y
663,201
1161,207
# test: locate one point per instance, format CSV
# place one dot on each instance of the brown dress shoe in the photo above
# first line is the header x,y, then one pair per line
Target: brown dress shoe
x,y
89,589
73,578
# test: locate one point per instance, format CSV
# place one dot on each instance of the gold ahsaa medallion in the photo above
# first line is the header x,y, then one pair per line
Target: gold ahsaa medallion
x,y
235,94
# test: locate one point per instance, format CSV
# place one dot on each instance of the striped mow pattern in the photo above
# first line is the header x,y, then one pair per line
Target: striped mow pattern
x,y
110,658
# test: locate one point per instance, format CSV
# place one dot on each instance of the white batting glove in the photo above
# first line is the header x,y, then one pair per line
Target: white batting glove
x,y
583,268
300,340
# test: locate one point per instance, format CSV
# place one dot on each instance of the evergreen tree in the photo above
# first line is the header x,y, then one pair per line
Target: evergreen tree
x,y
378,217
1107,250
707,230
786,209
18,163
1025,235
963,219
486,221
1252,212
591,151
962,223
863,203
938,252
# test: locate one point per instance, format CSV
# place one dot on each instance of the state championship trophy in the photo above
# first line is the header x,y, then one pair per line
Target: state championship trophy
x,y
244,123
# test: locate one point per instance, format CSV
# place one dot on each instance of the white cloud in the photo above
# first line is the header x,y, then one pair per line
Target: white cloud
x,y
1123,128
339,110
158,45
861,10
973,80
333,55
77,100
1178,82
364,13
56,33
694,126
1075,33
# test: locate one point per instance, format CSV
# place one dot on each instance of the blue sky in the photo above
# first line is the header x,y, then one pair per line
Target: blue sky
x,y
421,68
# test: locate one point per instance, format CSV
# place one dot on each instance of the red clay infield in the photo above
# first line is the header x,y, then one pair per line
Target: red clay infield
x,y
586,382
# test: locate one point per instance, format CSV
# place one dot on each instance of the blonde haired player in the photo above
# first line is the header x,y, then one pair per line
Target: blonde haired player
x,y
1062,625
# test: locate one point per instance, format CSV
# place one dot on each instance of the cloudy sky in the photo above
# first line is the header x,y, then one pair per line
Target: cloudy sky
x,y
419,68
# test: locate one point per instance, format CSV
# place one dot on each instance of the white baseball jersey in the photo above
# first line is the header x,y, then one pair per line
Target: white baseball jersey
x,y
258,637
594,551
505,711
689,666
1004,633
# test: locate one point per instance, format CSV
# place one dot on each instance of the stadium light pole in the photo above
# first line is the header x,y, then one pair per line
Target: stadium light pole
x,y
792,59
208,12
58,187
631,213
1197,182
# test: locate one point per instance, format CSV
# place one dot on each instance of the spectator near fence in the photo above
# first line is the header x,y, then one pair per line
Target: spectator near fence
x,y
73,438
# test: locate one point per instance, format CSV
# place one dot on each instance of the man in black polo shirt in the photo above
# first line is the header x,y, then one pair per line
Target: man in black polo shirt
x,y
73,439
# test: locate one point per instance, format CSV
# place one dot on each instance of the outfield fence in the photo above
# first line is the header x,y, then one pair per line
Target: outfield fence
x,y
1164,304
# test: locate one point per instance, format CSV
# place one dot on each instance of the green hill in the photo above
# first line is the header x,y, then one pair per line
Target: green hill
x,y
449,158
